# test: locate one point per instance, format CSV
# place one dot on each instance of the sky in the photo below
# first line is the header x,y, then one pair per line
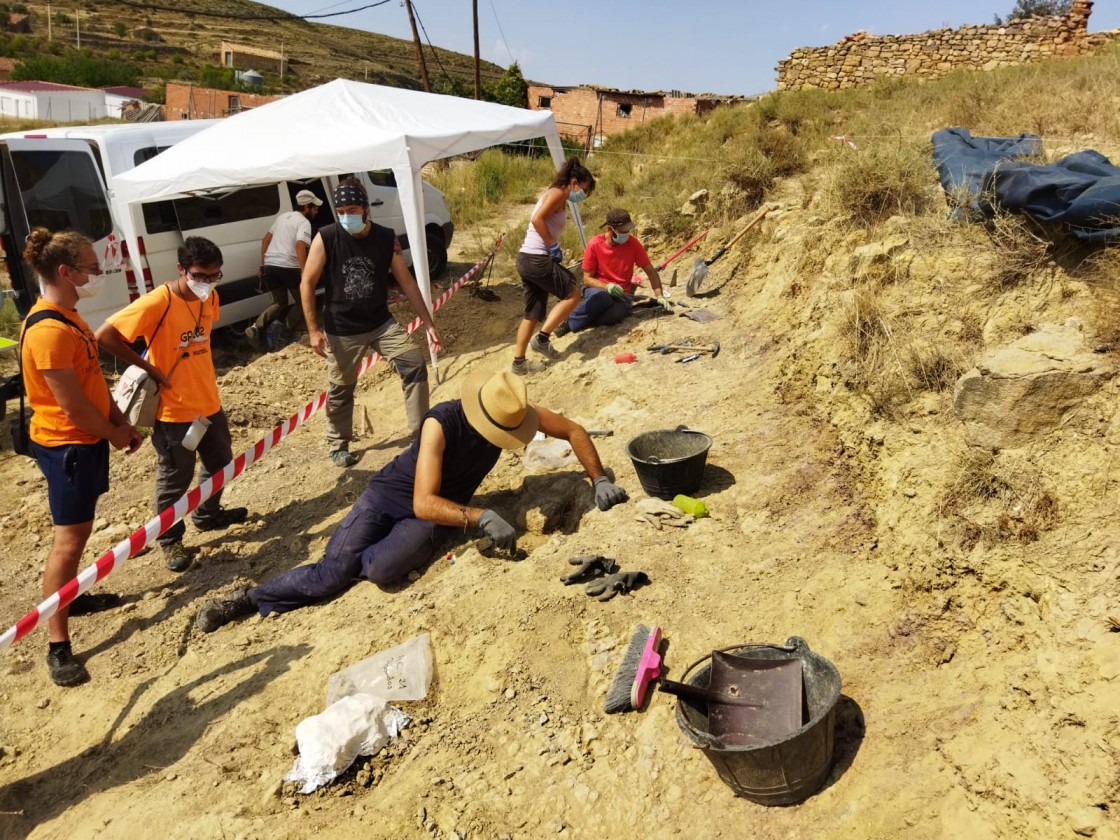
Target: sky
x,y
695,46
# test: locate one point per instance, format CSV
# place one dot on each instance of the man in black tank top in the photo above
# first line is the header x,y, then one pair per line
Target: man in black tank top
x,y
355,257
396,525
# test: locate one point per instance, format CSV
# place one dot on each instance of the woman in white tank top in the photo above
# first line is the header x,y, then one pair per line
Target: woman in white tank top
x,y
538,263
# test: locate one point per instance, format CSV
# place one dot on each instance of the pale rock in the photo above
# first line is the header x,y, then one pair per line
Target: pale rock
x,y
1026,388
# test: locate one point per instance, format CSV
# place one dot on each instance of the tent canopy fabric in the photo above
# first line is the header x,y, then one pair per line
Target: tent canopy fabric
x,y
1080,190
342,126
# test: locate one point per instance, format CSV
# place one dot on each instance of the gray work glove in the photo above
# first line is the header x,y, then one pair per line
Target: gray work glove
x,y
606,588
590,566
607,495
500,532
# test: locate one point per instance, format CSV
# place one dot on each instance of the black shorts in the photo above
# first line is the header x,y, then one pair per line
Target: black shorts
x,y
542,277
277,278
76,473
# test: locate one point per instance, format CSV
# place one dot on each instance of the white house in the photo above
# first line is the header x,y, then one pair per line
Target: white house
x,y
51,101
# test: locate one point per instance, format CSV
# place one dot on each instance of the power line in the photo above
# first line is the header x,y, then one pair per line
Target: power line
x,y
227,16
423,29
509,52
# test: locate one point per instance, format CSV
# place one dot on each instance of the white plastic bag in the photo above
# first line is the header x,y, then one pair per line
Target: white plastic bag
x,y
400,673
360,724
542,453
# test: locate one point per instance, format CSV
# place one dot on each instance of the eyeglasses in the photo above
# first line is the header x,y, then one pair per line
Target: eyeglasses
x,y
203,277
93,270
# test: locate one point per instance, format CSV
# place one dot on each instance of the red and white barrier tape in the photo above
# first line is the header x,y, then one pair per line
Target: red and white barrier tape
x,y
167,517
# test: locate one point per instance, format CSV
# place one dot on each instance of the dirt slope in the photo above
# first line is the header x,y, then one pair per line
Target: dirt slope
x,y
978,680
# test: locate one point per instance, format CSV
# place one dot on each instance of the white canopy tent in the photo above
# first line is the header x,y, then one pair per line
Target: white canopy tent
x,y
342,126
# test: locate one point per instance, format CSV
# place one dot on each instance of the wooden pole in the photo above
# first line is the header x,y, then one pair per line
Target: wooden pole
x,y
477,79
419,49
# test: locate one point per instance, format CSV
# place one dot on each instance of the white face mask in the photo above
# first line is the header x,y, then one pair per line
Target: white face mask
x,y
94,284
200,290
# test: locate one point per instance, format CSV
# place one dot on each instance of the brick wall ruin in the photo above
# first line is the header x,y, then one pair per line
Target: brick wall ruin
x,y
860,59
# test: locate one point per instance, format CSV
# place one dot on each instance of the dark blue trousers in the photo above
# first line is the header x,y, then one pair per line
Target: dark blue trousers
x,y
598,309
369,544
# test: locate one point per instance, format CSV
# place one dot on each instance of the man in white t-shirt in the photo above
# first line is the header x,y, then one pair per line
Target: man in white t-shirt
x,y
283,254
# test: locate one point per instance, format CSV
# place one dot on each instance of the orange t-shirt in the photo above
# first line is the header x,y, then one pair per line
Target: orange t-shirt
x,y
53,345
183,337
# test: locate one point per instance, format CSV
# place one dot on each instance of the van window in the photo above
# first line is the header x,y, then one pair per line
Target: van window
x,y
192,213
62,191
240,206
382,178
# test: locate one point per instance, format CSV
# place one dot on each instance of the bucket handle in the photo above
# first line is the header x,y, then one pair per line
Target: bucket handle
x,y
684,428
793,644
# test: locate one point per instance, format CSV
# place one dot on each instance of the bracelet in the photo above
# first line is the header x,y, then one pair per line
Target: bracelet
x,y
466,519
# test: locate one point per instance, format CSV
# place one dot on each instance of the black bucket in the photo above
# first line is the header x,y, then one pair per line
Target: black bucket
x,y
785,771
671,461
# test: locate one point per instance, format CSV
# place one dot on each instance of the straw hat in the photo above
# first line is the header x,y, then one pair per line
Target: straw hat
x,y
497,407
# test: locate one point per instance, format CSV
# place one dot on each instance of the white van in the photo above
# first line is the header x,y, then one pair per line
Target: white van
x,y
55,178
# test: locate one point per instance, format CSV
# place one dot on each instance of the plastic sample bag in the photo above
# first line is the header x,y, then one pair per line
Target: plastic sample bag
x,y
359,724
400,673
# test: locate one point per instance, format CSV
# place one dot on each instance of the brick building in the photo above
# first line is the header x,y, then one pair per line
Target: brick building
x,y
190,102
242,57
590,114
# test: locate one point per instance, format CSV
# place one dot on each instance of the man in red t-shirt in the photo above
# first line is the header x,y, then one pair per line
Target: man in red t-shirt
x,y
608,274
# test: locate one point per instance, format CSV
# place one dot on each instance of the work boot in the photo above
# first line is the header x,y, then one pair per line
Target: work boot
x,y
344,458
89,602
545,347
222,519
64,669
177,557
220,611
253,333
561,330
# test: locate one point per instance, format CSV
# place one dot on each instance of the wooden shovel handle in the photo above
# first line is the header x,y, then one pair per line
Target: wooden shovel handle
x,y
758,218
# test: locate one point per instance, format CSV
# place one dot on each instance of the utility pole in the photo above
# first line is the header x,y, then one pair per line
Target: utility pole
x,y
78,24
49,22
477,79
419,49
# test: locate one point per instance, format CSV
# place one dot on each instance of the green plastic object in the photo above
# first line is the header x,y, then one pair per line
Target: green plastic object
x,y
690,505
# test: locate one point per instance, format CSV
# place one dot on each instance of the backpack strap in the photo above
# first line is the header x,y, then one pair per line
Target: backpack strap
x,y
32,320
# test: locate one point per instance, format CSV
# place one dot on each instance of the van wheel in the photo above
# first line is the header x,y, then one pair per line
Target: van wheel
x,y
437,253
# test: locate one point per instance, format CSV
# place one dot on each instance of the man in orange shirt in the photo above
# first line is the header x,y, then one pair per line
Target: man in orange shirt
x,y
74,419
176,321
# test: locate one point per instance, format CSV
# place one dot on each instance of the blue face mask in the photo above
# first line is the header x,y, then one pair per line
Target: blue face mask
x,y
619,238
577,196
351,222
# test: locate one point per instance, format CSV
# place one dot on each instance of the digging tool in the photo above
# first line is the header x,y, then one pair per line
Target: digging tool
x,y
713,349
662,266
700,267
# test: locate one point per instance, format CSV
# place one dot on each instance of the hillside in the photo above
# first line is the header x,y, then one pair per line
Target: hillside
x,y
962,593
175,43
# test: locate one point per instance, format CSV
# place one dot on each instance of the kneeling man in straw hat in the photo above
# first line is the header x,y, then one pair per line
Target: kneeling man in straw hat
x,y
396,525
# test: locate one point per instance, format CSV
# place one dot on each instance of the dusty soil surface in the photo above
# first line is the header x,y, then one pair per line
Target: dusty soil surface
x,y
979,676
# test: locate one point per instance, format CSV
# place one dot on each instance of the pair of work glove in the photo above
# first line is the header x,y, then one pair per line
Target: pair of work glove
x,y
606,578
658,512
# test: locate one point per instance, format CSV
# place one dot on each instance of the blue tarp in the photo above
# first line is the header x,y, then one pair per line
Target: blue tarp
x,y
1081,191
